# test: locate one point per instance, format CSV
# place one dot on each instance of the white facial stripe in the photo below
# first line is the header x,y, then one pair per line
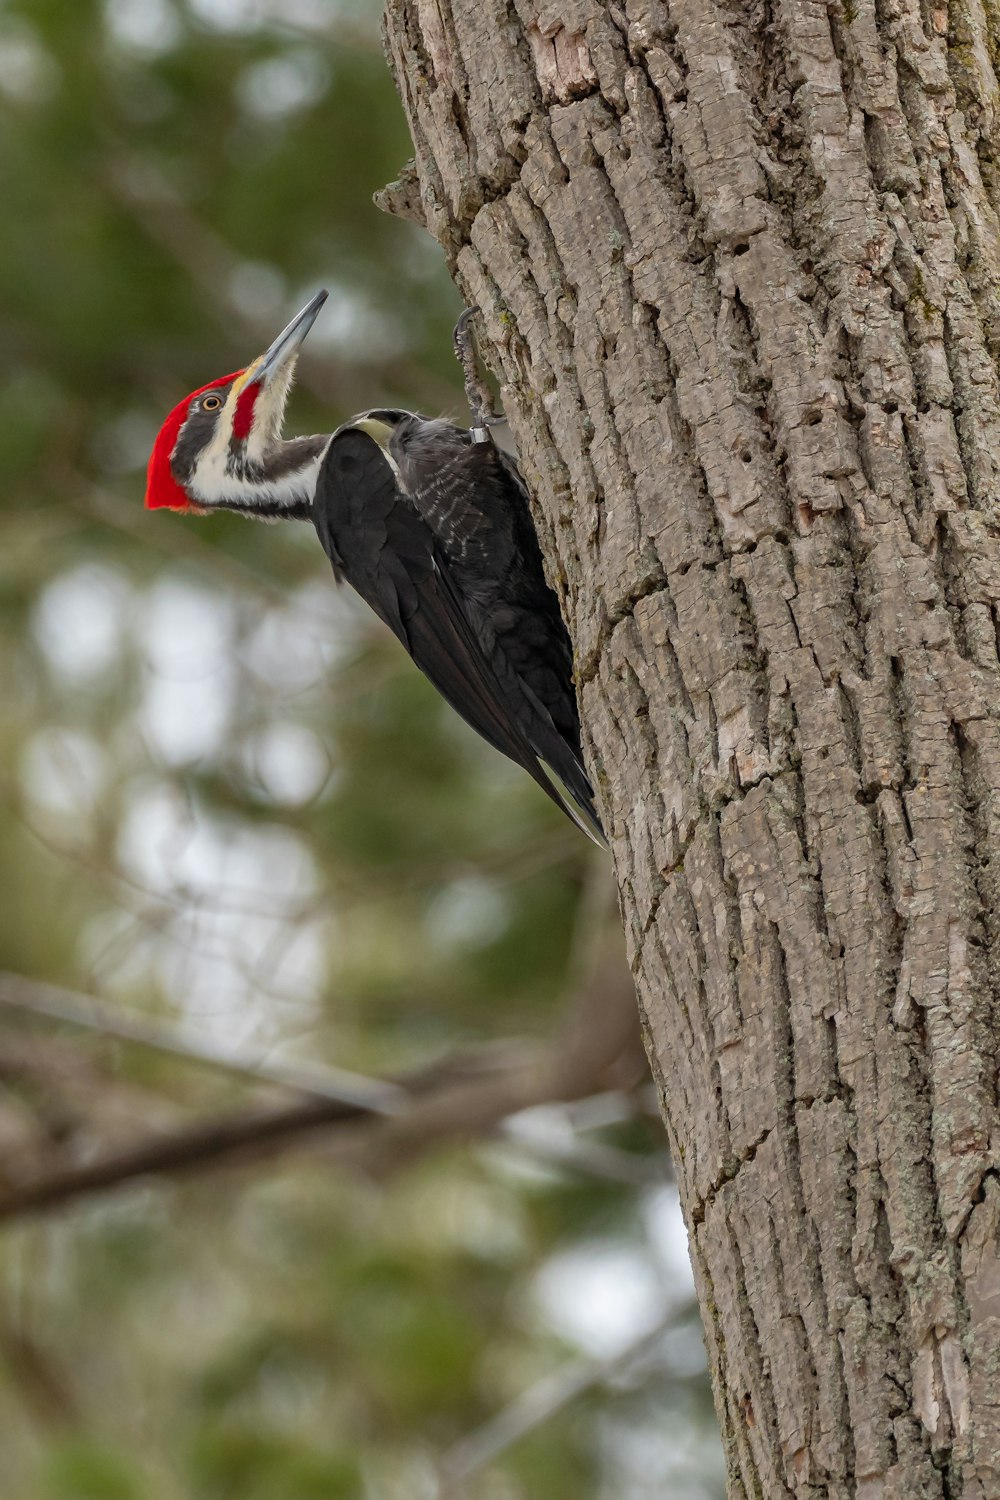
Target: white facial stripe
x,y
211,464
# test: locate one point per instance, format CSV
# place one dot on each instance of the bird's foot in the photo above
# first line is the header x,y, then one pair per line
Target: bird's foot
x,y
476,391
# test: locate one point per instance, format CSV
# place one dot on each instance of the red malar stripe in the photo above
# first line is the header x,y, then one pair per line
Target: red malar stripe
x,y
243,416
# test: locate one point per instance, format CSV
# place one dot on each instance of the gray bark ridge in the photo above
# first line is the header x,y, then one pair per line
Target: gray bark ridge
x,y
739,265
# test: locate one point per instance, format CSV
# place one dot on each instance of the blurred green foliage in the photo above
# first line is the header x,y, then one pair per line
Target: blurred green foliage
x,y
228,801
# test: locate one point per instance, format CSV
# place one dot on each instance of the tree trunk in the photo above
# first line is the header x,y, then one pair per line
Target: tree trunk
x,y
738,263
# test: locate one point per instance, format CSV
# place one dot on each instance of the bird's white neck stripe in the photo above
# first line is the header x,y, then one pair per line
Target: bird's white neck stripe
x,y
213,484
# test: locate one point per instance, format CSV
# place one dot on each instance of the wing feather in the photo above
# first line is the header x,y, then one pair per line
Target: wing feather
x,y
389,555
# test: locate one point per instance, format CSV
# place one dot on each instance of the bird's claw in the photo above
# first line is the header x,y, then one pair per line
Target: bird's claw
x,y
462,326
476,391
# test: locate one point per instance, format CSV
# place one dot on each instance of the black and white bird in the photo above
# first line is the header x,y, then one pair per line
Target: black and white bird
x,y
428,522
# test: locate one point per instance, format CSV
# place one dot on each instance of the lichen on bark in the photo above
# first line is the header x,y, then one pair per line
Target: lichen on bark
x,y
738,267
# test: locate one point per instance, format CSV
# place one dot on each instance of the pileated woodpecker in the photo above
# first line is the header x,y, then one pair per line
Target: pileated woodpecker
x,y
428,522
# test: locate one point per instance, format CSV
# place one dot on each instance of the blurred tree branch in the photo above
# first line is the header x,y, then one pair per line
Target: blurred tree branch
x,y
540,1402
59,1004
41,1380
462,1097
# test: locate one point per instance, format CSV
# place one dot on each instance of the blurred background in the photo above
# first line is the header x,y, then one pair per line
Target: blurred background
x,y
329,1166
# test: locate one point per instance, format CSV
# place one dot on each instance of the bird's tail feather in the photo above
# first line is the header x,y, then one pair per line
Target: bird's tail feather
x,y
580,811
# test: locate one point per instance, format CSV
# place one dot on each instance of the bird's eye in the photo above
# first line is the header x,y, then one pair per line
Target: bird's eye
x,y
211,403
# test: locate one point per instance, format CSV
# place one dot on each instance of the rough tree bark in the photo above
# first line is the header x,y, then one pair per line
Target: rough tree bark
x,y
738,261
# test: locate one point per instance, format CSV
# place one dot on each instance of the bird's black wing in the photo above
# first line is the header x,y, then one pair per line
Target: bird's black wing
x,y
388,554
474,499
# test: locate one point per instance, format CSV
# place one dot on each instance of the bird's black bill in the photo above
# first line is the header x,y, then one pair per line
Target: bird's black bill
x,y
290,340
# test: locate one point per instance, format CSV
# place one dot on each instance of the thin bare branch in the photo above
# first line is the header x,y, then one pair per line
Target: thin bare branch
x,y
371,1095
461,1098
251,1134
539,1404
